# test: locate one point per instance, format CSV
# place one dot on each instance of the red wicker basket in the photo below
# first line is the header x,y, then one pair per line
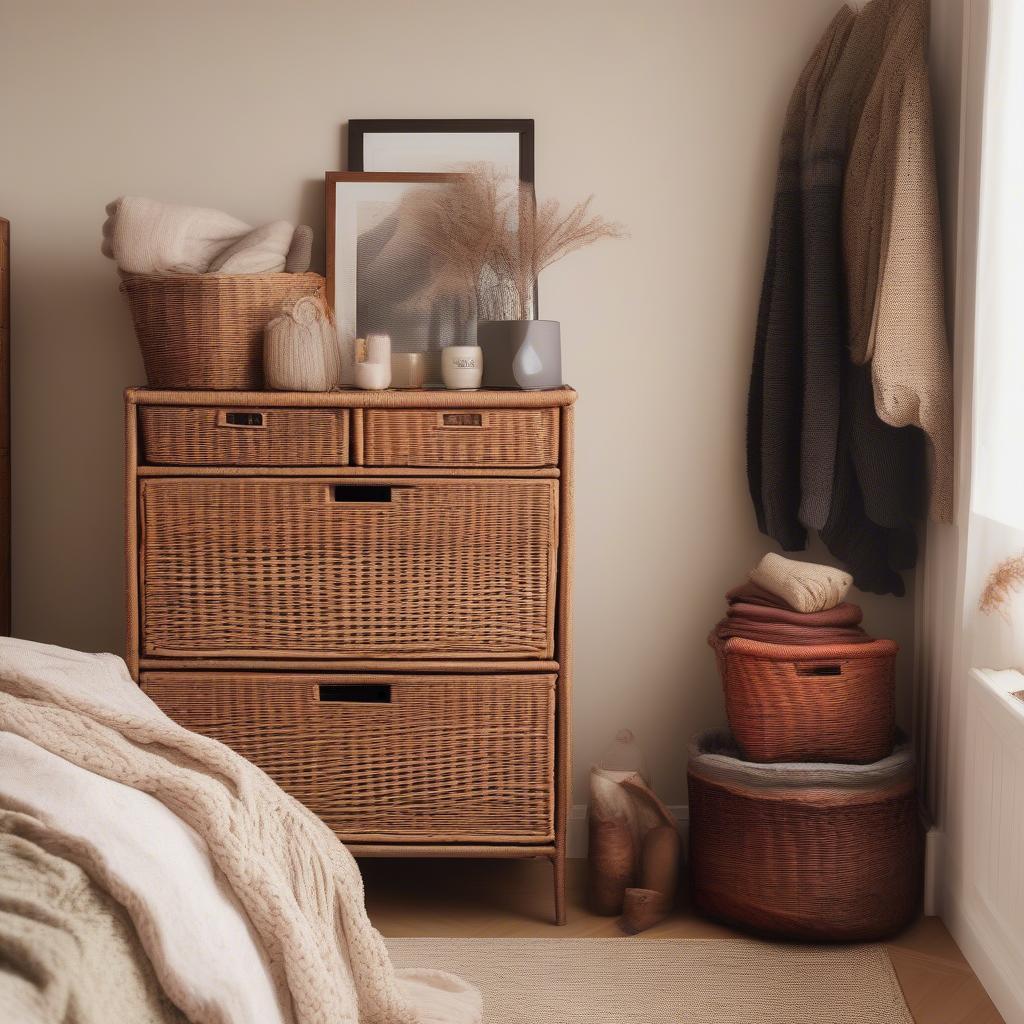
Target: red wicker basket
x,y
804,851
830,703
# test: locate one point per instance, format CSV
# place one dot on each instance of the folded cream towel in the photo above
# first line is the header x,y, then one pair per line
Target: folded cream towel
x,y
300,253
261,251
146,236
804,586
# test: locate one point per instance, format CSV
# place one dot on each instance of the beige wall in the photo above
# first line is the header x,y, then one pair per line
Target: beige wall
x,y
668,111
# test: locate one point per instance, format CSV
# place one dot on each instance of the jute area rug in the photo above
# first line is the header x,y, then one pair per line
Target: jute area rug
x,y
667,981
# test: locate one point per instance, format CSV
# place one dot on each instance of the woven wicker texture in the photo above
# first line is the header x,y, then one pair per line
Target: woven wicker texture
x,y
448,759
828,703
469,437
657,981
432,568
208,436
824,863
206,330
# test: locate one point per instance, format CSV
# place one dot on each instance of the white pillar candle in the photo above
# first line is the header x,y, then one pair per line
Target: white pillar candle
x,y
372,376
378,349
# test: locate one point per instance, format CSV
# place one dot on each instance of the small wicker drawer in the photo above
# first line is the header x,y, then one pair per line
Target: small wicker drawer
x,y
389,758
502,438
210,436
348,568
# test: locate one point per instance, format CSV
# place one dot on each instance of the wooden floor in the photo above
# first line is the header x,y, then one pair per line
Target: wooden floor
x,y
513,898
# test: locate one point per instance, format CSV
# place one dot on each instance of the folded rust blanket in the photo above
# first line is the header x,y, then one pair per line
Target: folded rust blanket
x,y
786,633
757,614
844,614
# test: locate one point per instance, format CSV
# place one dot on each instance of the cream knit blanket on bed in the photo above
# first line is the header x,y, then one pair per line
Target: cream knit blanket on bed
x,y
299,887
69,951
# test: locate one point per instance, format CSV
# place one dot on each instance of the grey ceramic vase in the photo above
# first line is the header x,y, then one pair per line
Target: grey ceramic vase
x,y
523,354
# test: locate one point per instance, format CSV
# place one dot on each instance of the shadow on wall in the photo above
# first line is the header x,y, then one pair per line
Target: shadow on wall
x,y
312,212
71,499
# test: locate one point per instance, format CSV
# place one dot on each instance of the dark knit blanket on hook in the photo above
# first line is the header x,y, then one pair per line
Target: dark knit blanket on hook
x,y
774,400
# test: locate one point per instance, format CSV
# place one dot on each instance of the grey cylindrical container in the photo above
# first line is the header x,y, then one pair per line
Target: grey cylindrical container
x,y
523,354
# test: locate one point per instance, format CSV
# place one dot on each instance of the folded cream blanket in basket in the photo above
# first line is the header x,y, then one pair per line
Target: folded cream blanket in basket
x,y
112,773
147,236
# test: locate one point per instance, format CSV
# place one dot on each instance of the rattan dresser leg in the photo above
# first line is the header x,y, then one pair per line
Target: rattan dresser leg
x,y
558,862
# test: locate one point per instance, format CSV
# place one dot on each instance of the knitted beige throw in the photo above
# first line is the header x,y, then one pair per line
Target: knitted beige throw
x,y
804,586
298,886
893,250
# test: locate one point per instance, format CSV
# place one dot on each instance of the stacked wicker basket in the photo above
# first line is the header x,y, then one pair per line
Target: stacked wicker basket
x,y
804,820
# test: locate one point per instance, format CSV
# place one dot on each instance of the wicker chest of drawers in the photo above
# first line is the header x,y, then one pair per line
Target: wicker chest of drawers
x,y
366,594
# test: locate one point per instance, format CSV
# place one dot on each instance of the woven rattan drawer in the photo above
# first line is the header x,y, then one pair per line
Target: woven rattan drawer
x,y
502,438
347,568
207,436
431,759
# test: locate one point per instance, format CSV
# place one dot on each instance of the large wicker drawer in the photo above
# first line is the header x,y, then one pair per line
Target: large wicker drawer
x,y
207,436
430,759
505,438
347,568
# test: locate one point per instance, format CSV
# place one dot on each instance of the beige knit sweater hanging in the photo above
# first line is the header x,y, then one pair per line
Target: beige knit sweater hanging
x,y
893,251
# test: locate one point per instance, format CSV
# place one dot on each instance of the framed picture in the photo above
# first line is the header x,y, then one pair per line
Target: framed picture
x,y
375,273
428,145
441,146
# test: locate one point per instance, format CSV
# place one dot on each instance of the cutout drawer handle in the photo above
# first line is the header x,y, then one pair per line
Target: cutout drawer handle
x,y
819,670
377,493
463,419
368,693
240,419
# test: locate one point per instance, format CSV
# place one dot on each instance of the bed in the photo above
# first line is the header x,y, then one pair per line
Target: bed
x,y
149,874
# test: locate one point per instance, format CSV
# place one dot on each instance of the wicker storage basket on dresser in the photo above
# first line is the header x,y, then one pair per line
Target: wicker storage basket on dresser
x,y
366,594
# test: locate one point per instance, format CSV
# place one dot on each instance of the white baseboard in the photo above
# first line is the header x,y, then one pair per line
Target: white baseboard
x,y
576,840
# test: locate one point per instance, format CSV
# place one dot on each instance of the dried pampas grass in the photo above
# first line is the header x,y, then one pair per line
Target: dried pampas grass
x,y
488,240
1003,581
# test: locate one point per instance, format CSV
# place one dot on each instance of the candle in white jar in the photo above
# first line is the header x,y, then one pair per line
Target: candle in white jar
x,y
462,367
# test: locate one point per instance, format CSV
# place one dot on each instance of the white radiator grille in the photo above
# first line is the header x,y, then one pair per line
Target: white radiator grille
x,y
995,800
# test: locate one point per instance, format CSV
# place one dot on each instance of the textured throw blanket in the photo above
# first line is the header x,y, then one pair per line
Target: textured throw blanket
x,y
166,823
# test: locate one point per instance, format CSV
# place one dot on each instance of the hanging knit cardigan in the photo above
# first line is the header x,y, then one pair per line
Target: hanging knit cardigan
x,y
893,251
843,470
774,401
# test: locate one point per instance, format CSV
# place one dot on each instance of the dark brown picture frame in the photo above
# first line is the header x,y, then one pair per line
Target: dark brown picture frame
x,y
523,127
